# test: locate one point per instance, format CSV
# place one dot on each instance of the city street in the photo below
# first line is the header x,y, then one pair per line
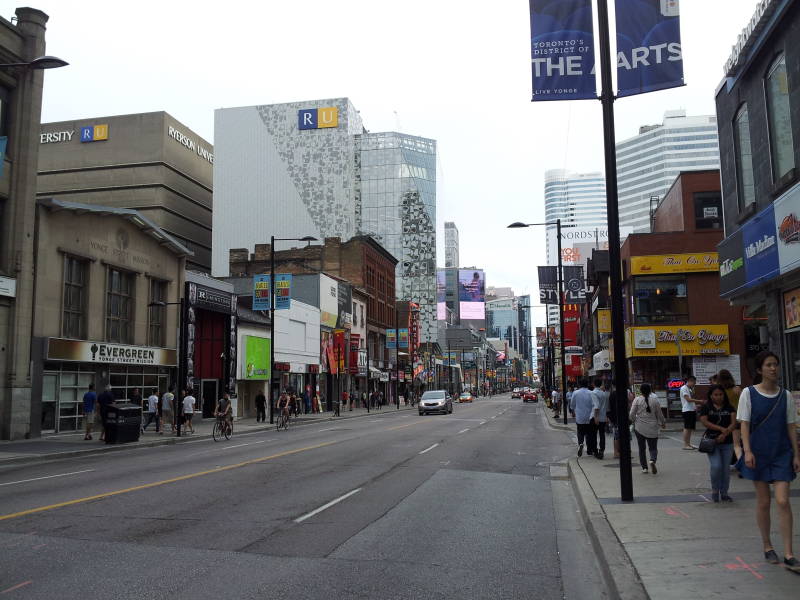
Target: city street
x,y
475,504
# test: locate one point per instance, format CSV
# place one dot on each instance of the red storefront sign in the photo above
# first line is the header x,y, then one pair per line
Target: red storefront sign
x,y
571,324
339,349
355,344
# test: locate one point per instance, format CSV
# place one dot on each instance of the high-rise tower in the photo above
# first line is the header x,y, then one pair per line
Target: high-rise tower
x,y
451,258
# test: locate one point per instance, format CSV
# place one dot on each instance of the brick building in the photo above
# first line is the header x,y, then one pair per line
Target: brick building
x,y
675,321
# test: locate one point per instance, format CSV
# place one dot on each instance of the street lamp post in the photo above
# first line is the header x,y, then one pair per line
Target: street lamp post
x,y
272,241
181,375
557,223
37,64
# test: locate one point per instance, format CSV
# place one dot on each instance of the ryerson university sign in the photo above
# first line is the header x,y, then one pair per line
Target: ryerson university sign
x,y
189,143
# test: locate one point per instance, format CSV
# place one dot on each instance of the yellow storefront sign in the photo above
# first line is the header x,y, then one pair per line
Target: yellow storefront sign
x,y
686,340
674,263
603,320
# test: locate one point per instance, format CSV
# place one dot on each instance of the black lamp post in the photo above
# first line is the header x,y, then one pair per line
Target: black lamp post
x,y
181,376
557,223
273,239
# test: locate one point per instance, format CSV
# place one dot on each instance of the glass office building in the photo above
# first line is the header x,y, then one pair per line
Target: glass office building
x,y
396,196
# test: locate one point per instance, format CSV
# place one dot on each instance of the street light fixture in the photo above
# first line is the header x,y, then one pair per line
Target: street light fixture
x,y
273,239
557,223
39,63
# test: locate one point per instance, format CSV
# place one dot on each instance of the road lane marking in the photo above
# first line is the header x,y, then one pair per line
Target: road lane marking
x,y
429,449
464,430
236,446
16,587
145,486
482,423
46,477
326,506
408,425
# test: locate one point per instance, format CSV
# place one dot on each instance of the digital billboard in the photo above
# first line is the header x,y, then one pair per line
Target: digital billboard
x,y
471,294
441,288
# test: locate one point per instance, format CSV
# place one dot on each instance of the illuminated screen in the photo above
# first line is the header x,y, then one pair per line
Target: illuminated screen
x,y
471,294
441,286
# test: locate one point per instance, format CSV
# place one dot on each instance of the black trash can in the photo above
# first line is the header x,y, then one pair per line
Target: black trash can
x,y
123,423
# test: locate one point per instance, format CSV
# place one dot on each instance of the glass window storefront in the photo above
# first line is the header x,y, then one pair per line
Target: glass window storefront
x,y
660,300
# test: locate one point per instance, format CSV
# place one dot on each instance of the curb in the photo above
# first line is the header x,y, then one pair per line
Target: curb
x,y
18,460
621,578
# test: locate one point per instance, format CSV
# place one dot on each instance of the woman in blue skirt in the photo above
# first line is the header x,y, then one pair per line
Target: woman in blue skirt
x,y
771,456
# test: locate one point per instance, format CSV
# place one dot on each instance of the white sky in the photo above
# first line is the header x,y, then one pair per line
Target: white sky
x,y
457,71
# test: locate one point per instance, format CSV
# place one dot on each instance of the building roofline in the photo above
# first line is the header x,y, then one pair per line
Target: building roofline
x,y
372,242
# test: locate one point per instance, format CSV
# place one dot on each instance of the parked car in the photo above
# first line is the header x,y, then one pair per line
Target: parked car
x,y
434,401
465,397
530,396
516,393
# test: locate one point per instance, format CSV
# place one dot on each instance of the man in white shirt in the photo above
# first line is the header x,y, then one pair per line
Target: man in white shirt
x,y
689,411
556,400
188,410
601,394
152,411
584,405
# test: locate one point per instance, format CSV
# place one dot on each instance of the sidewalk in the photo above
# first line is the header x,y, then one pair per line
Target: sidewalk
x,y
68,445
672,542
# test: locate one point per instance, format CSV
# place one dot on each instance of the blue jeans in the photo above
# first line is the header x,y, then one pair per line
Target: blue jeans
x,y
720,461
151,416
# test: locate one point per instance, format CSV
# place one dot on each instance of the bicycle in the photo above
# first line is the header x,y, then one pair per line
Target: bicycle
x,y
282,422
222,427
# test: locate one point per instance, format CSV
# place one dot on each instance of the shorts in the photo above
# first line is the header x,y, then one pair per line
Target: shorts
x,y
689,419
187,417
89,418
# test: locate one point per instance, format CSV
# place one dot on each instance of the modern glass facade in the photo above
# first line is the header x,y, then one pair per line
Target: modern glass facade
x,y
451,258
647,164
396,200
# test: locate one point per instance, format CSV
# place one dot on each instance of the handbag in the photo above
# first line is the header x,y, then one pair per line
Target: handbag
x,y
707,445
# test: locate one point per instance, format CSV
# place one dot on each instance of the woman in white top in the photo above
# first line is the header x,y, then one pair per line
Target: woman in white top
x,y
771,454
647,419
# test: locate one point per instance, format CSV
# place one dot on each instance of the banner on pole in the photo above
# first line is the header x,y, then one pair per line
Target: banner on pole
x,y
261,292
562,50
402,338
283,291
649,54
391,339
574,286
548,285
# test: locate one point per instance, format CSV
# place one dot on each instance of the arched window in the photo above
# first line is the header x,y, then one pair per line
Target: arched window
x,y
776,86
745,189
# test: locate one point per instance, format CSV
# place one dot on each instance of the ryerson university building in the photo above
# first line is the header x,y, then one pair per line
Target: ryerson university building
x,y
311,169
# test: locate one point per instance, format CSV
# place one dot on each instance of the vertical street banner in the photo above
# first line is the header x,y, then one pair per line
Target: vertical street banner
x,y
261,292
339,349
402,338
562,50
548,285
541,336
574,286
391,339
649,54
283,291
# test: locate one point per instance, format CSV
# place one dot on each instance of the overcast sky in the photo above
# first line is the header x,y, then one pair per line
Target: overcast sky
x,y
457,71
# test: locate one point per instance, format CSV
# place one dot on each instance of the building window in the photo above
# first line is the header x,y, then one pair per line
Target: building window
x,y
119,306
156,318
73,323
779,119
708,210
745,193
660,300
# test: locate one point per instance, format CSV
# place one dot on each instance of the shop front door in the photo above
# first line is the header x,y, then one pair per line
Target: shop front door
x,y
208,396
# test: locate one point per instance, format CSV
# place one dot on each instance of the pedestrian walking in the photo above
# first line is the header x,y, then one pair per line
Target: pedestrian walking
x,y
732,393
136,397
555,398
152,412
771,454
602,395
105,400
647,418
167,414
261,407
89,404
613,419
584,407
189,402
719,419
689,411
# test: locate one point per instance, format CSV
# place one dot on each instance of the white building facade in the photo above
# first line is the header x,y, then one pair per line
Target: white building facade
x,y
648,163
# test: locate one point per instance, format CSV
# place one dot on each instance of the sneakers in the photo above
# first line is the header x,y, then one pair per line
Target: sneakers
x,y
725,498
580,449
771,557
715,496
690,447
598,455
644,470
653,467
792,564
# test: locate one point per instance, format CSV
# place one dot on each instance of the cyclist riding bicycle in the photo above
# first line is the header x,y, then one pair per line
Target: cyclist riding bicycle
x,y
224,409
284,404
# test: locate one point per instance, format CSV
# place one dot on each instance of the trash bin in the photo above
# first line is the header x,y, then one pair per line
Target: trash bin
x,y
123,423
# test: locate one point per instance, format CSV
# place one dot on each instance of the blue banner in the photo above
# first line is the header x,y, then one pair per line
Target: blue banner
x,y
761,261
391,339
649,55
261,292
283,292
562,50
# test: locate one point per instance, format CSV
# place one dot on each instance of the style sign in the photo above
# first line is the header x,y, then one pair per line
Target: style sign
x,y
562,50
649,54
574,286
674,263
261,292
548,285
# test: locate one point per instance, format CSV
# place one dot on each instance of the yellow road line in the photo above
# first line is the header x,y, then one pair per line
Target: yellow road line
x,y
409,425
145,486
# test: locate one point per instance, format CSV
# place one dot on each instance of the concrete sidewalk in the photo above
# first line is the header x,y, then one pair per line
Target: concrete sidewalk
x,y
672,541
68,445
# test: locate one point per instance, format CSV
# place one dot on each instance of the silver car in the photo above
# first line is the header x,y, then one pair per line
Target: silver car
x,y
435,401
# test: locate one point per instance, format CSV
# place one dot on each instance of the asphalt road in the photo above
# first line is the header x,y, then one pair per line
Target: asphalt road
x,y
394,505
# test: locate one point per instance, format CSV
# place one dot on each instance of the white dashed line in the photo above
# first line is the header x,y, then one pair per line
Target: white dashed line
x,y
464,430
326,506
46,477
429,449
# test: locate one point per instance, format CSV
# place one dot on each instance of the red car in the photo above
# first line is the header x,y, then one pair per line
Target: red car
x,y
530,396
